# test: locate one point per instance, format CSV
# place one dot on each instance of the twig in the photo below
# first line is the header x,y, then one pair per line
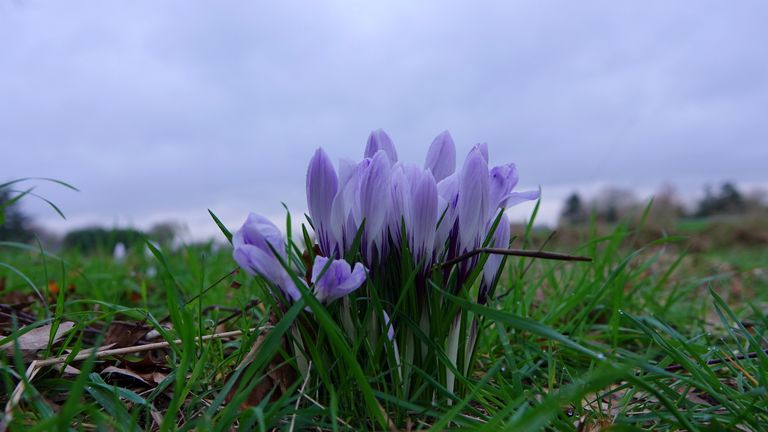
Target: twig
x,y
298,400
36,365
751,355
541,249
516,252
237,313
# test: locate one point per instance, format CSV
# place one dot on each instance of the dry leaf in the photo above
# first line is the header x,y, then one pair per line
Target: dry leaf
x,y
37,339
67,370
124,372
122,334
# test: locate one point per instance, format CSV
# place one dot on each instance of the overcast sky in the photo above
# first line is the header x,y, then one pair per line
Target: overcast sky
x,y
160,110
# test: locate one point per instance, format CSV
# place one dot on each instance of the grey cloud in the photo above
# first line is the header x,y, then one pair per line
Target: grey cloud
x,y
155,107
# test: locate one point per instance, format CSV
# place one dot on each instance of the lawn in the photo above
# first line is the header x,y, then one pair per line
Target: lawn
x,y
644,337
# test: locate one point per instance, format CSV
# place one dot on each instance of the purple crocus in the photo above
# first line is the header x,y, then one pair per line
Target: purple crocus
x,y
448,200
385,192
338,280
379,140
473,199
322,185
255,245
375,195
345,209
421,217
400,201
503,179
441,156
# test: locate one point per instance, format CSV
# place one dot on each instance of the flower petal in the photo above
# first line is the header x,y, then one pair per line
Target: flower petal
x,y
473,200
400,202
515,198
503,179
375,196
441,156
257,262
259,231
482,148
337,281
379,140
322,185
353,281
423,218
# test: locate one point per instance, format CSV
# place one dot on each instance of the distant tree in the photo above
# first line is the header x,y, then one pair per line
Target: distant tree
x,y
573,212
728,201
15,224
613,203
756,200
90,240
165,232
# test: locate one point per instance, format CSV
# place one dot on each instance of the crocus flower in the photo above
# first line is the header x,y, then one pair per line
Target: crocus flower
x,y
379,140
338,280
473,200
448,200
322,185
503,179
400,200
345,210
441,157
375,195
421,218
255,245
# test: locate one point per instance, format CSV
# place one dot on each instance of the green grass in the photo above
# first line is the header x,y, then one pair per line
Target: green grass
x,y
645,337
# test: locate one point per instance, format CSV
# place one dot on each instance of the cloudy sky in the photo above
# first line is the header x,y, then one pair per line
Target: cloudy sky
x,y
160,110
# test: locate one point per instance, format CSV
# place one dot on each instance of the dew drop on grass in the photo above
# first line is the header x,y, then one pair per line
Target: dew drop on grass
x,y
600,356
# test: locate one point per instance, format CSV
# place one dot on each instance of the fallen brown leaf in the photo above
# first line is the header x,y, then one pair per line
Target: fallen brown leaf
x,y
37,338
124,372
122,334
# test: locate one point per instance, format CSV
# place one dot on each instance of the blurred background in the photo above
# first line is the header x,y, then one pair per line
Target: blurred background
x,y
158,111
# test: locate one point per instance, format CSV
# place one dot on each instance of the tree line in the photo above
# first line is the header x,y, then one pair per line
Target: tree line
x,y
613,204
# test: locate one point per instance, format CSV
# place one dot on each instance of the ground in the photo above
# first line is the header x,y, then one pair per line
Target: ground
x,y
663,330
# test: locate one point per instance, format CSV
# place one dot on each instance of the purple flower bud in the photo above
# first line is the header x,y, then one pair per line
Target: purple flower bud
x,y
421,220
400,201
253,253
448,197
379,140
337,281
345,211
375,197
322,185
473,200
441,157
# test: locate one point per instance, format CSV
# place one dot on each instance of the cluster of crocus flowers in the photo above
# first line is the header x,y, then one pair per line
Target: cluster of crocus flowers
x,y
260,249
377,204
